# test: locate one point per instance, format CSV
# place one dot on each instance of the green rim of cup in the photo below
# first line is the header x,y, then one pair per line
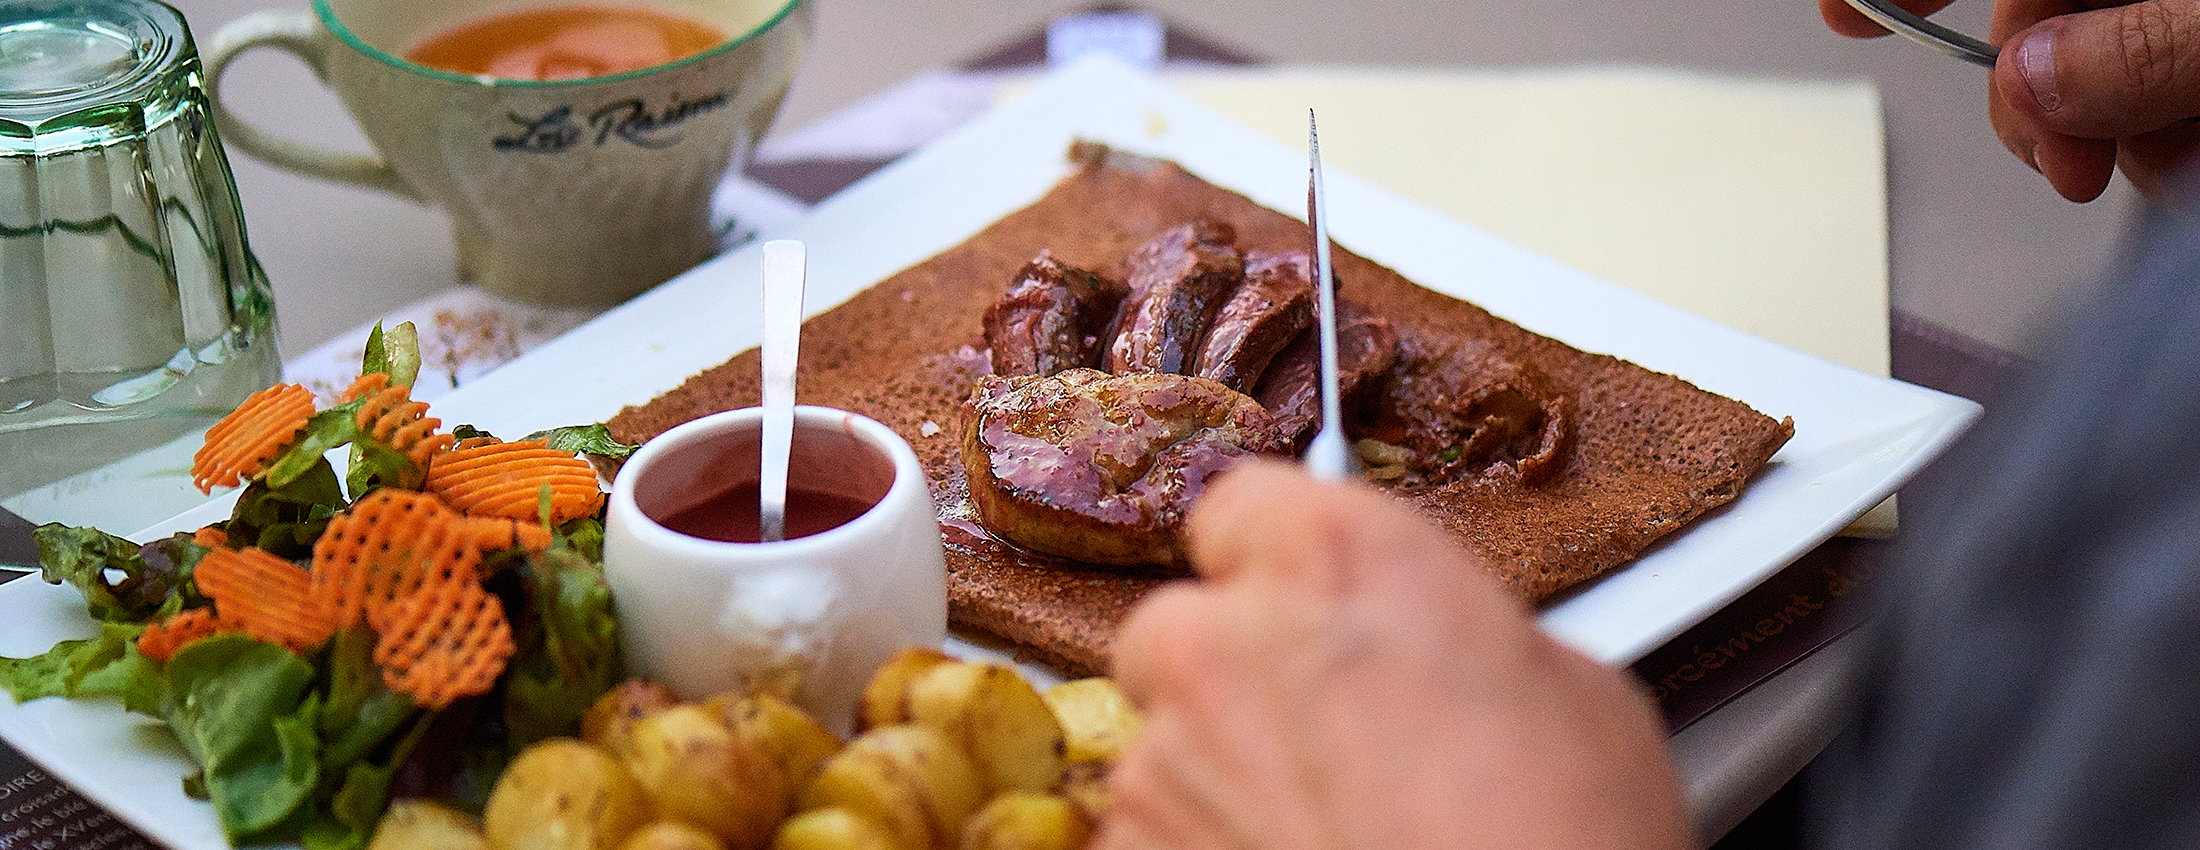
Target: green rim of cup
x,y
328,19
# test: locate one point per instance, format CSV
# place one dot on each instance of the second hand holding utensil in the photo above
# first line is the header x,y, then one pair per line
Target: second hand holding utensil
x,y
785,261
1329,456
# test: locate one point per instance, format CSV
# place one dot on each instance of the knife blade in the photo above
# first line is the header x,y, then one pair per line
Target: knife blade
x,y
1329,457
18,550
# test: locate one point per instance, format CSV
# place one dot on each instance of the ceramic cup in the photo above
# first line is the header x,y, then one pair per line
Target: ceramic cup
x,y
584,191
809,617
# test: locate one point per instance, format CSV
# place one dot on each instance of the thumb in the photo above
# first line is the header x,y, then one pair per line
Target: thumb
x,y
2107,73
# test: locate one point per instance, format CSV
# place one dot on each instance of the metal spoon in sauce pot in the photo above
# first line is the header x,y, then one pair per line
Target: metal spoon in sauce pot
x,y
784,264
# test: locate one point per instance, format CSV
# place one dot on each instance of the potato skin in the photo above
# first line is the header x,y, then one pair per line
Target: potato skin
x,y
425,825
954,754
1023,821
997,718
834,828
1098,720
916,784
563,794
885,700
1085,785
671,835
696,769
796,741
610,721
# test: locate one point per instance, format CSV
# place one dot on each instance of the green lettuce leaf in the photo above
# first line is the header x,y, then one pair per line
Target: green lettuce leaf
x,y
346,818
119,584
243,711
327,431
584,439
584,535
107,665
569,648
375,464
395,353
287,518
361,712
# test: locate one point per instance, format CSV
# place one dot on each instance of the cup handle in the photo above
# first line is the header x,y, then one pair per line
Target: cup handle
x,y
298,34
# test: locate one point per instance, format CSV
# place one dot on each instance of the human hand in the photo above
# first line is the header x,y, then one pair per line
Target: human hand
x,y
1347,676
2084,87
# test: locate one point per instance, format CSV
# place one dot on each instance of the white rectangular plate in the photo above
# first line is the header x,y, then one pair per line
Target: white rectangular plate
x,y
1857,436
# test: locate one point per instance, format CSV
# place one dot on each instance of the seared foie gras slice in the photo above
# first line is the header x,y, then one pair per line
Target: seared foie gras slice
x,y
1290,388
1100,468
1051,318
1466,412
1177,281
1269,309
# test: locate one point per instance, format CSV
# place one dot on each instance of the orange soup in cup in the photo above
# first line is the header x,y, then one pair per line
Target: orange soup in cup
x,y
565,42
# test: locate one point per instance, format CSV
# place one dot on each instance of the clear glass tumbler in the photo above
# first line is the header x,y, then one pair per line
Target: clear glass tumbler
x,y
131,309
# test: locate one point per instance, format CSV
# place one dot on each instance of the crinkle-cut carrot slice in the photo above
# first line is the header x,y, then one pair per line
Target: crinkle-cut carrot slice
x,y
386,547
161,640
491,534
211,536
241,444
393,418
264,596
448,640
506,480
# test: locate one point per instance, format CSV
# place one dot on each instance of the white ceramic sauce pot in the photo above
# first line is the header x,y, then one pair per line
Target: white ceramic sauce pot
x,y
809,617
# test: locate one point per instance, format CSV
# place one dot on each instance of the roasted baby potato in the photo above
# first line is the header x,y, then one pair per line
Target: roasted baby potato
x,y
794,739
997,718
885,696
611,719
564,794
909,779
425,825
1085,785
697,769
1023,821
834,828
1098,721
671,835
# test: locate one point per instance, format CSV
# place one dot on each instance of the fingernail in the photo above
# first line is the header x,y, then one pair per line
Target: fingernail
x,y
2036,59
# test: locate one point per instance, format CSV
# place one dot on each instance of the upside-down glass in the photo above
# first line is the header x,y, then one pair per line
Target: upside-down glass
x,y
131,309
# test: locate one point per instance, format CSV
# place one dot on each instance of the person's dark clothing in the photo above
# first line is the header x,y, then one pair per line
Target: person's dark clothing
x,y
2033,663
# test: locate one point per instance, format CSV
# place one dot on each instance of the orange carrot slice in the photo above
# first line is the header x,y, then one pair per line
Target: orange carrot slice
x,y
476,442
211,536
407,565
506,480
384,548
448,640
161,640
491,534
264,596
241,444
392,417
